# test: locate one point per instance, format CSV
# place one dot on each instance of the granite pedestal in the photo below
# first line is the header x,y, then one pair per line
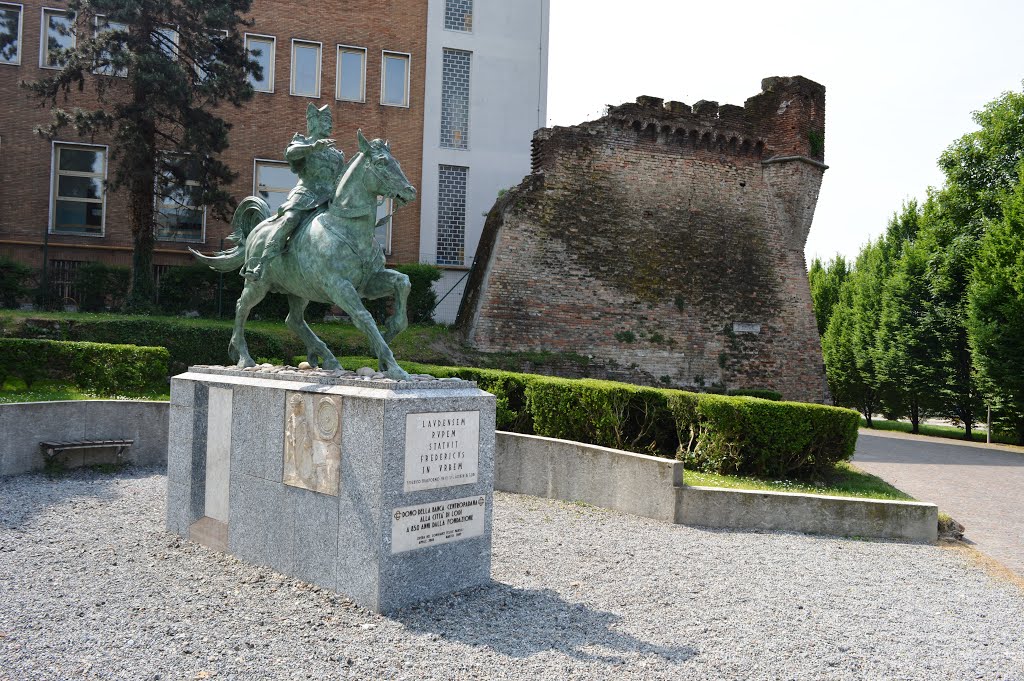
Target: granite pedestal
x,y
377,489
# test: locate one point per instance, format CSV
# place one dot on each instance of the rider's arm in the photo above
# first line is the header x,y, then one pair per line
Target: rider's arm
x,y
297,150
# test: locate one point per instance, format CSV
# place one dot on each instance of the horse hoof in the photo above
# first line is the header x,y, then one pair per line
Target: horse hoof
x,y
397,373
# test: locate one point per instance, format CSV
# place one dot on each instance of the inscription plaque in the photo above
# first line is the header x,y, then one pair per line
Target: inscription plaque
x,y
312,442
442,449
745,327
436,523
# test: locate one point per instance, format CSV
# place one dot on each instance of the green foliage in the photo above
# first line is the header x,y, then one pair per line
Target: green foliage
x,y
825,282
100,286
164,104
14,278
422,298
762,393
625,336
761,438
96,367
712,433
195,288
996,315
816,138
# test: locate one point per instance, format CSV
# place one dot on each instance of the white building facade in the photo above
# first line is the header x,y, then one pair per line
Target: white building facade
x,y
486,85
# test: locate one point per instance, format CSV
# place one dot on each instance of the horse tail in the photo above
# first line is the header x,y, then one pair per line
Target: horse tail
x,y
250,212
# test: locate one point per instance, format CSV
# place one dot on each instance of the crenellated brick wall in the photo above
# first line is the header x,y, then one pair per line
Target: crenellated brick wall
x,y
666,242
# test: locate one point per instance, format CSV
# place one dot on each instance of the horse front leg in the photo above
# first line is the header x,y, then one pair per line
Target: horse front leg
x,y
391,283
238,349
316,349
345,296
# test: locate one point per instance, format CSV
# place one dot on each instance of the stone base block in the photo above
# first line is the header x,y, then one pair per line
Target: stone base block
x,y
378,490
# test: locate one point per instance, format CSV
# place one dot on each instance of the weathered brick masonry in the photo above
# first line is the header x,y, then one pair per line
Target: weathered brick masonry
x,y
667,242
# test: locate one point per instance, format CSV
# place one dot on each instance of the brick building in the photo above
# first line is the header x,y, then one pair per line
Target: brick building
x,y
420,73
666,242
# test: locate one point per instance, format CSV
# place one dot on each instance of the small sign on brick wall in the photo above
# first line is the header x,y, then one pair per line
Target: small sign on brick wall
x,y
745,327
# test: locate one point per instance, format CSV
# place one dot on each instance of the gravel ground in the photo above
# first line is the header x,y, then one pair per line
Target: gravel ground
x,y
91,586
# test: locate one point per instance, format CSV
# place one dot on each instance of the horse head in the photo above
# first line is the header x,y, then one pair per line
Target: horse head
x,y
385,176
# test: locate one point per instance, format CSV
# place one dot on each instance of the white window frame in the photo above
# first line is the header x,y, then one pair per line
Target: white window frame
x,y
267,77
44,27
256,162
164,29
21,33
362,75
96,33
319,67
54,172
158,201
384,54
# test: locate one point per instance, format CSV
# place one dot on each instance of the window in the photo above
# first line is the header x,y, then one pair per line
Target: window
x,y
394,80
105,68
10,33
273,180
263,49
382,233
306,68
178,218
455,99
78,198
351,85
58,34
458,15
451,214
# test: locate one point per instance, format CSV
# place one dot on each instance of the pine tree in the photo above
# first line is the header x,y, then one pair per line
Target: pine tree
x,y
150,74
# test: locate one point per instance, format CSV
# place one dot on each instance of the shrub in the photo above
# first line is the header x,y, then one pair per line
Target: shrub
x,y
14,278
186,343
763,393
97,367
711,433
195,288
422,298
100,287
762,438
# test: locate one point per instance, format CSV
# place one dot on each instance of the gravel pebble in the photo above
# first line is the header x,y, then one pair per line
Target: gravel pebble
x,y
91,586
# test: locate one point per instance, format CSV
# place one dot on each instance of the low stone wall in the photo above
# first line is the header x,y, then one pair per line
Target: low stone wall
x,y
758,510
573,471
653,487
24,425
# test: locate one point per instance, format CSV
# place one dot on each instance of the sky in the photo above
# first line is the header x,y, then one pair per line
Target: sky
x,y
902,78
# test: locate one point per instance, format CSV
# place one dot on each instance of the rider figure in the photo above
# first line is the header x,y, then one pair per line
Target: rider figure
x,y
319,166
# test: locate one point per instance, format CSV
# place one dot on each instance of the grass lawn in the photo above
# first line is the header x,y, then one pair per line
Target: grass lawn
x,y
849,481
934,430
14,390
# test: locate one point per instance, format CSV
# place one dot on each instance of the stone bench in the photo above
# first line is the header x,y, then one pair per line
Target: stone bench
x,y
51,450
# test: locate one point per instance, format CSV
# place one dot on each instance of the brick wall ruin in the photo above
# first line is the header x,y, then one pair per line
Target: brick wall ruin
x,y
666,242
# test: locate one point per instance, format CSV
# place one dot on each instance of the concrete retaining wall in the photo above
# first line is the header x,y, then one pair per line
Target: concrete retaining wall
x,y
757,510
23,425
653,487
572,471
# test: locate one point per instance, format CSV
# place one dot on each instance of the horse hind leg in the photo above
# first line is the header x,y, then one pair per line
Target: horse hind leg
x,y
238,349
316,349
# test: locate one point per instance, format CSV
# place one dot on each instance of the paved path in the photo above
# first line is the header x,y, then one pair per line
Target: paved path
x,y
981,486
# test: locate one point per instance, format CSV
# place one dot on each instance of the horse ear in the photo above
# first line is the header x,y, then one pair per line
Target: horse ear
x,y
387,144
364,146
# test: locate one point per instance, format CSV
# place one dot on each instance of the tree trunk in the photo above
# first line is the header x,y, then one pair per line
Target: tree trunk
x,y
915,416
141,193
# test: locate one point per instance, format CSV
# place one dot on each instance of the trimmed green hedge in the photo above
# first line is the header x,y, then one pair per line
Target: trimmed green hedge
x,y
96,367
710,433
